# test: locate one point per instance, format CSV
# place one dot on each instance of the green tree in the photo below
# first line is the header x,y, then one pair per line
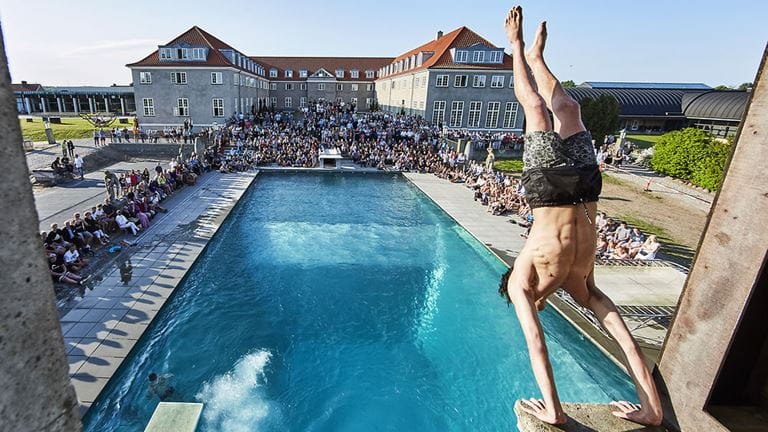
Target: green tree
x,y
600,116
568,83
723,87
745,86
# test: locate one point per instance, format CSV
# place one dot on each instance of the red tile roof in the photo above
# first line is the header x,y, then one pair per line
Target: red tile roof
x,y
462,37
26,87
313,64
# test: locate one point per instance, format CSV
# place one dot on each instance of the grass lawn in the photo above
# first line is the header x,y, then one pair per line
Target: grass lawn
x,y
509,165
643,141
70,128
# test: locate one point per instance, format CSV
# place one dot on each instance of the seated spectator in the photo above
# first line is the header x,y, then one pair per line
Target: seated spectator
x,y
73,260
124,223
649,249
94,228
59,272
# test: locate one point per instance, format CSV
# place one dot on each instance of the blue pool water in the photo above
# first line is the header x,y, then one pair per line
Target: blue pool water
x,y
346,303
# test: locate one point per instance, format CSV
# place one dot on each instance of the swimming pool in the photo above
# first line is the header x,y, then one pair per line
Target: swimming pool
x,y
346,302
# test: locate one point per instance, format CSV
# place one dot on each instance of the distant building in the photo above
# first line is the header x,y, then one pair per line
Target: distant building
x,y
459,80
718,112
36,99
645,86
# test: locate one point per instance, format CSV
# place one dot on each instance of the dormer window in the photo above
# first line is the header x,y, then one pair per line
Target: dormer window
x,y
165,54
339,73
182,53
273,73
289,73
495,57
303,73
478,57
198,53
354,73
369,74
461,56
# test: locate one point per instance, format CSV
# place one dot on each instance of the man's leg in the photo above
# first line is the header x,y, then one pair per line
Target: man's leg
x,y
534,106
566,111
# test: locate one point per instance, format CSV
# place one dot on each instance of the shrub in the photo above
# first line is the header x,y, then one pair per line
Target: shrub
x,y
509,165
693,155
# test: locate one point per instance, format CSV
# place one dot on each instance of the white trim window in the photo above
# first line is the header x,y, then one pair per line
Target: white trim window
x,y
218,107
339,73
510,115
148,105
461,56
321,86
457,112
216,78
354,87
497,81
496,57
492,115
478,81
145,77
478,56
289,73
460,81
273,101
339,87
512,81
182,53
353,101
438,112
288,102
289,86
368,102
303,86
198,53
369,87
273,86
475,111
354,73
235,78
370,74
166,54
302,73
178,77
302,102
273,73
182,107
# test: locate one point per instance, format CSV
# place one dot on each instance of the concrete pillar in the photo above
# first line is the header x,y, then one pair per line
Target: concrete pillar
x,y
28,104
43,104
75,105
90,105
122,105
106,104
36,393
58,103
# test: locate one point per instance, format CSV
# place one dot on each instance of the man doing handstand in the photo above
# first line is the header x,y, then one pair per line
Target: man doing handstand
x,y
562,184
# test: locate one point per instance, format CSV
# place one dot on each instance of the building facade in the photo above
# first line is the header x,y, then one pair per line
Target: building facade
x,y
35,99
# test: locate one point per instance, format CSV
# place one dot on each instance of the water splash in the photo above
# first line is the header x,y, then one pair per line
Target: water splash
x,y
235,401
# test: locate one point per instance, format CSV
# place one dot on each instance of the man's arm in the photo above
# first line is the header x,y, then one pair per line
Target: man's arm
x,y
649,412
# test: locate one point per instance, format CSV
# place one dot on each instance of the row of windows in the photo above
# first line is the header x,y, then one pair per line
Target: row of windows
x,y
406,83
239,79
462,56
181,109
182,53
321,86
303,73
475,113
478,81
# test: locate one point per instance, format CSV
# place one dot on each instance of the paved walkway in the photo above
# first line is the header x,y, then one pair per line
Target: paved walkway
x,y
43,157
101,329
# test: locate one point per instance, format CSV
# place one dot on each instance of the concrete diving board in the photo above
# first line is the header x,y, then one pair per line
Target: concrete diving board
x,y
175,417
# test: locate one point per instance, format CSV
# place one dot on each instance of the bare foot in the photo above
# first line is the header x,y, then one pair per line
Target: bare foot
x,y
536,52
538,409
513,25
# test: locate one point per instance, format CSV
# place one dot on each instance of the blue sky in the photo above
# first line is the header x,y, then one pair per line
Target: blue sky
x,y
76,42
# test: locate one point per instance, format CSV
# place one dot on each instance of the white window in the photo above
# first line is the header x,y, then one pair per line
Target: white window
x,y
339,73
354,73
289,86
273,86
495,57
182,53
216,78
165,53
339,87
441,81
289,73
475,109
303,86
478,81
302,102
321,86
438,112
497,81
235,79
460,81
273,73
354,101
478,56
198,53
273,101
182,107
461,56
179,77
511,81
369,87
145,77
218,107
288,102
510,115
368,102
303,73
370,74
354,87
149,107
457,112
492,116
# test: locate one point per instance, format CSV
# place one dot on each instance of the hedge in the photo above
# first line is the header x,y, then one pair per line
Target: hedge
x,y
693,155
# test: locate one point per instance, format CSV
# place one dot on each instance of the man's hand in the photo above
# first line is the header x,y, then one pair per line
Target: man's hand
x,y
538,409
635,413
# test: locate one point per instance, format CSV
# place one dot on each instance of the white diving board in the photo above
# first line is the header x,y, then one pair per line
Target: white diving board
x,y
175,417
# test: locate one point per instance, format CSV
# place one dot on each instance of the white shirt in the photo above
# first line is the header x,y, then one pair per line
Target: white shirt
x,y
121,220
71,256
78,162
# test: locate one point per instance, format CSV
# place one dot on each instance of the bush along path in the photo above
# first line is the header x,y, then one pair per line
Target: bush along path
x,y
693,155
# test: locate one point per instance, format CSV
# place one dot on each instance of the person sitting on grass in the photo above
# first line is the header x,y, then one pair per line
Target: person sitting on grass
x,y
560,250
649,249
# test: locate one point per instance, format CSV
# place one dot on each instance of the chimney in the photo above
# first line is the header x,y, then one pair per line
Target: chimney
x,y
23,83
439,34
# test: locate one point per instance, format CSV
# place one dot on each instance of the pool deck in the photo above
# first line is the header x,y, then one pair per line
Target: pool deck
x,y
627,286
101,329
